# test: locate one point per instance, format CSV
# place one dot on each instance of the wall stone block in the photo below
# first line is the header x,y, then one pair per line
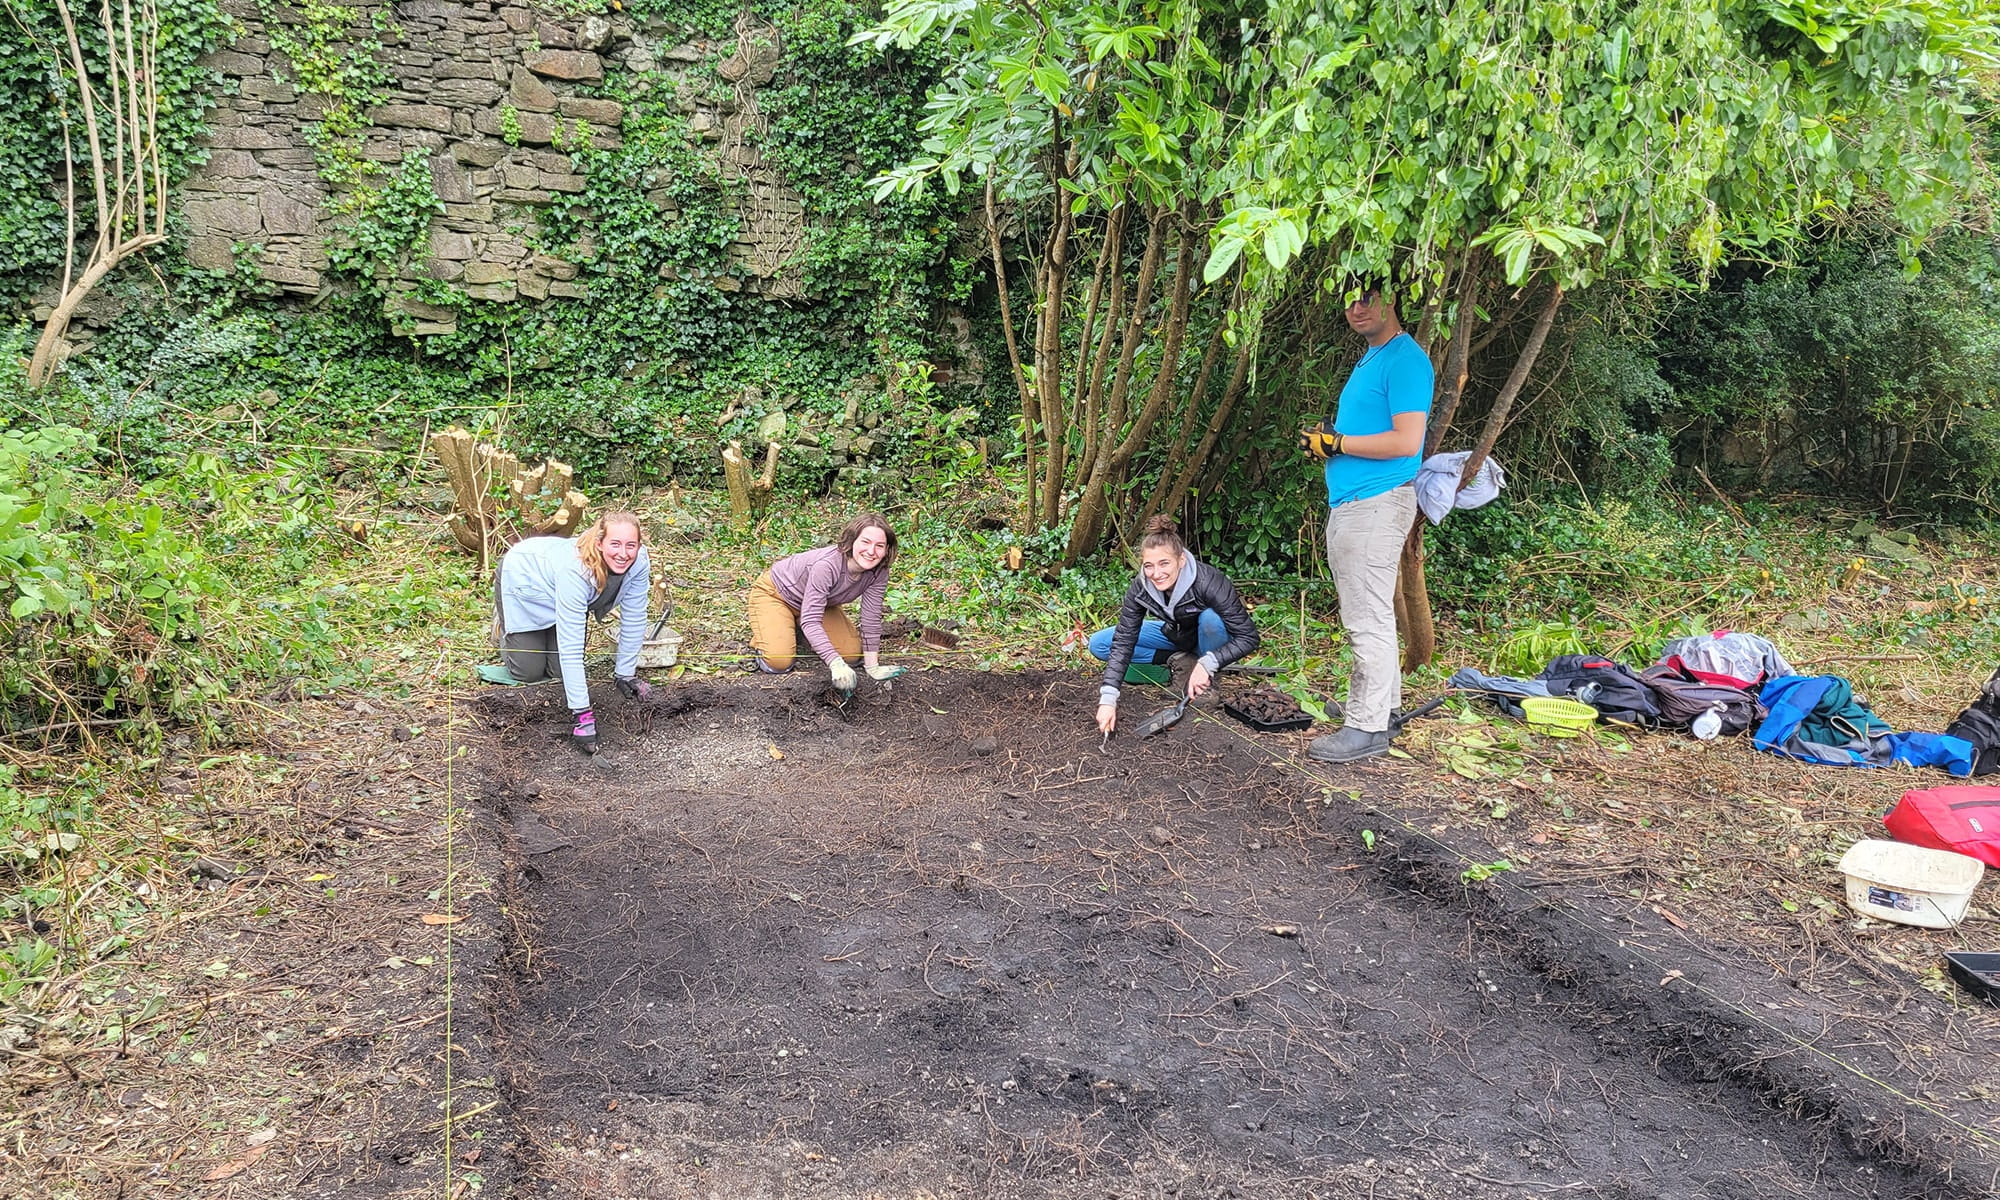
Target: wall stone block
x,y
553,267
236,215
414,116
466,93
573,66
264,89
473,218
498,293
234,62
597,112
288,162
247,137
210,252
456,247
536,128
487,272
232,164
561,183
452,182
300,280
411,306
530,94
283,214
479,154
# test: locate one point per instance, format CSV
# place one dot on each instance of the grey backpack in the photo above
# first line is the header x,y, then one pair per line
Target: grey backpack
x,y
1682,699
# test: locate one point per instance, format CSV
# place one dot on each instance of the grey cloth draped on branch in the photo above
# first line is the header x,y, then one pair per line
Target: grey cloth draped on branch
x,y
1437,484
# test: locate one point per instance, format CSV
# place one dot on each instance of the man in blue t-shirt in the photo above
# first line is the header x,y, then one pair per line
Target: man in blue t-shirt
x,y
1371,453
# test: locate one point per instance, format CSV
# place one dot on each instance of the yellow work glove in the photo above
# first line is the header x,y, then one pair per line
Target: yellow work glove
x,y
1321,441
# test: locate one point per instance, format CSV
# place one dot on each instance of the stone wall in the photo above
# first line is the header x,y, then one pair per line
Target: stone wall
x,y
459,65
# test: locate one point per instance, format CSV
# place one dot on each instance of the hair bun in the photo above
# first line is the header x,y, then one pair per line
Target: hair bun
x,y
1161,523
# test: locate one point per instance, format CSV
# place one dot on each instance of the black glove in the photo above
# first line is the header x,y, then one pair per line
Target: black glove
x,y
636,688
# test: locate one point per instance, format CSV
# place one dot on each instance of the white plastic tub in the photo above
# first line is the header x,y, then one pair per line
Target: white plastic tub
x,y
1911,885
662,651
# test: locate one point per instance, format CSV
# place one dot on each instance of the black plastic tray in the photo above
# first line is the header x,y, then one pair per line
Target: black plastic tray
x,y
1303,721
1977,973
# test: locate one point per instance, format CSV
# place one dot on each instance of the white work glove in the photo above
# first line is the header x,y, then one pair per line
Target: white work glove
x,y
843,675
882,674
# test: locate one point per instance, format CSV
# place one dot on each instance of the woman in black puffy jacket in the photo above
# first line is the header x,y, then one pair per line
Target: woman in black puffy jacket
x,y
1177,606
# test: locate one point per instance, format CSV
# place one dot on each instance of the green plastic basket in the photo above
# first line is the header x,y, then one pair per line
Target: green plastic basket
x,y
1148,673
1556,717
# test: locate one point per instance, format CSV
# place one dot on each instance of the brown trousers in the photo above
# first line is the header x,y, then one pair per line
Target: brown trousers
x,y
775,634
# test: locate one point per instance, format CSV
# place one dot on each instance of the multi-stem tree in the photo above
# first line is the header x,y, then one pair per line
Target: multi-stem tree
x,y
1167,164
1095,134
112,90
1494,158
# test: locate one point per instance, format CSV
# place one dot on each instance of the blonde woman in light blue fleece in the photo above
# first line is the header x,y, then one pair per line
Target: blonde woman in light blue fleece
x,y
548,588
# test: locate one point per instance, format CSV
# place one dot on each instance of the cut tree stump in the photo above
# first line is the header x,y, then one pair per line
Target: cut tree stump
x,y
748,494
497,501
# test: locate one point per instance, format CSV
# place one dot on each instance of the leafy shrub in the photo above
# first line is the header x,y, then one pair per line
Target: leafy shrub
x,y
145,602
1848,373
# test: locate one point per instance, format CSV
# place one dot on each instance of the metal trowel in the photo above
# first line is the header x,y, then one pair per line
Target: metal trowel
x,y
1162,721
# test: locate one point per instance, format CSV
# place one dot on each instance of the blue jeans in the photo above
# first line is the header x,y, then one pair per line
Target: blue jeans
x,y
1153,643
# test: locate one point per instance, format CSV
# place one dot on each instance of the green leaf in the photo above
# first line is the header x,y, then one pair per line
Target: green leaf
x,y
1050,81
1227,250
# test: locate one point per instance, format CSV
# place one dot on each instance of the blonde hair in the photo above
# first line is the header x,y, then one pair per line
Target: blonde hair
x,y
590,543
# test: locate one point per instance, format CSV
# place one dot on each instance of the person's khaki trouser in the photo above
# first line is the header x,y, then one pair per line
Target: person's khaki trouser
x,y
775,633
1364,546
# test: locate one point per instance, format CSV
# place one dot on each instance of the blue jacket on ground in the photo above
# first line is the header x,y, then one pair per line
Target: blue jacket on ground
x,y
1790,698
543,585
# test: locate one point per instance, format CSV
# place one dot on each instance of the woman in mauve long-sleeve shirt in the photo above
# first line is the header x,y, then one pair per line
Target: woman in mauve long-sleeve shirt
x,y
802,595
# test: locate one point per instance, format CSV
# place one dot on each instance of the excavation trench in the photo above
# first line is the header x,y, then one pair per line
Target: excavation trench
x,y
934,943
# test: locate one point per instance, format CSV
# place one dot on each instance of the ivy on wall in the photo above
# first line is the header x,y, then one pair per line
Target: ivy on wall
x,y
630,383
674,347
383,214
34,98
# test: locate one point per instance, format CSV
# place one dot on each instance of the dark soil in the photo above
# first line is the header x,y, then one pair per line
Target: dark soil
x,y
935,943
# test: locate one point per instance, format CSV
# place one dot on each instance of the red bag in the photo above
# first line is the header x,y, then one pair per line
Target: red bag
x,y
1964,819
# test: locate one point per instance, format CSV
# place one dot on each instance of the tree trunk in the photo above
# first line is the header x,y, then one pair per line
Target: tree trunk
x,y
1413,597
1176,494
1457,358
42,365
1048,356
1496,418
1031,514
736,473
1115,452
